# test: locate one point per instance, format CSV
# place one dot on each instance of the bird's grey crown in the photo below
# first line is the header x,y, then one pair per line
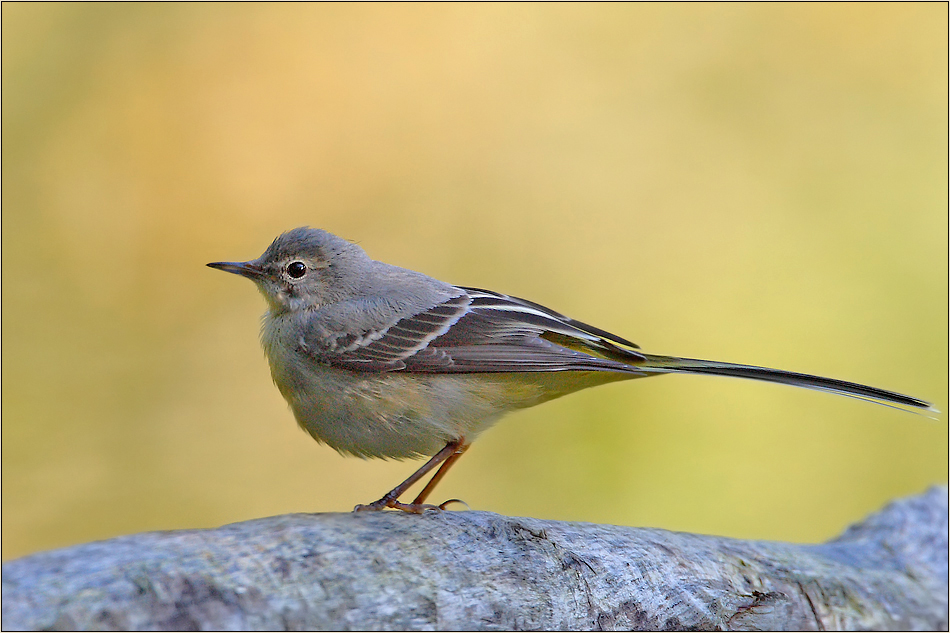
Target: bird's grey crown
x,y
308,242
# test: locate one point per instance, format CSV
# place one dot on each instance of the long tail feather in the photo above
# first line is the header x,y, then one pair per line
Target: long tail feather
x,y
672,364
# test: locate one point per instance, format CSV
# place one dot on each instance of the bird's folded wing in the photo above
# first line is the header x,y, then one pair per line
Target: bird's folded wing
x,y
481,331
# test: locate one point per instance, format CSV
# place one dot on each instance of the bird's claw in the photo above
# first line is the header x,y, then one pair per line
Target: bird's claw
x,y
450,501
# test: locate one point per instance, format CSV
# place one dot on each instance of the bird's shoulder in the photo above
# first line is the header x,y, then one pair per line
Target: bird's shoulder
x,y
385,298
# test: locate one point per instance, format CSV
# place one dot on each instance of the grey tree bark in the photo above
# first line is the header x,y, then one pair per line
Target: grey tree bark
x,y
477,570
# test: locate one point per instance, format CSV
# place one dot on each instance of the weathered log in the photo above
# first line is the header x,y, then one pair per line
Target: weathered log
x,y
478,570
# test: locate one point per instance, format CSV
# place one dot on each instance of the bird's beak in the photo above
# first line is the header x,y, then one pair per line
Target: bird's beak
x,y
251,269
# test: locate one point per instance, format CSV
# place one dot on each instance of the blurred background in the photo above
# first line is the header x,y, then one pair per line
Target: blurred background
x,y
753,183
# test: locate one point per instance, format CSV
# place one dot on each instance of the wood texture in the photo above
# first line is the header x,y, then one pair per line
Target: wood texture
x,y
477,570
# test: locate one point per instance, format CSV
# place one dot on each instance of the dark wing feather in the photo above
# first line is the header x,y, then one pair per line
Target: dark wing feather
x,y
488,299
388,348
482,332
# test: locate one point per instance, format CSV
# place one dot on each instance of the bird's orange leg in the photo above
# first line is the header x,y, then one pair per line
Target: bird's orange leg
x,y
437,477
452,451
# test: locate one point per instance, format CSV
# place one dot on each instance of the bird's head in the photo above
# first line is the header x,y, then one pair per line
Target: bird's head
x,y
303,268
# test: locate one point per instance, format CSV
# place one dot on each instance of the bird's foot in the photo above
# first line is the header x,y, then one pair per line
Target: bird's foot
x,y
411,508
382,504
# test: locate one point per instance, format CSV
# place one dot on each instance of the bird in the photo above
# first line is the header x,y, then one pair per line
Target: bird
x,y
375,360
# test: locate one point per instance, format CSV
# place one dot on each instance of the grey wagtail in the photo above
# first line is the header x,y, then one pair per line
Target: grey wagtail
x,y
380,361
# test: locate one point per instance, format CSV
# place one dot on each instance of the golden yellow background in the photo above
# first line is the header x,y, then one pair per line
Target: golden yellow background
x,y
754,183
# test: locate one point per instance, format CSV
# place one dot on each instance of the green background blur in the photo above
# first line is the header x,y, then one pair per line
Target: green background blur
x,y
763,184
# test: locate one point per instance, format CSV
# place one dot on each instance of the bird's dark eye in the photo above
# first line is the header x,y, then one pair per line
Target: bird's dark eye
x,y
297,269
